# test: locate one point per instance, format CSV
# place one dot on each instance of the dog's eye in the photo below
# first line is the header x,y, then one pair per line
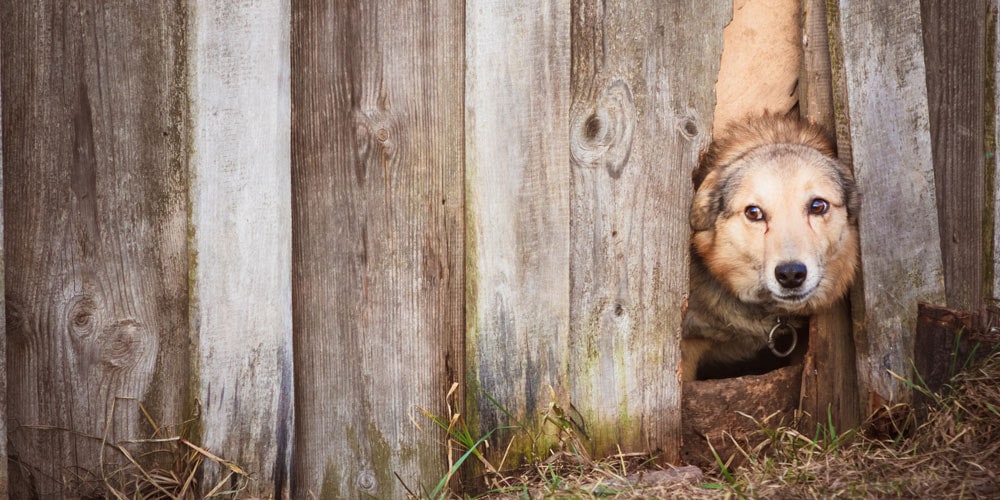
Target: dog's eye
x,y
818,206
754,213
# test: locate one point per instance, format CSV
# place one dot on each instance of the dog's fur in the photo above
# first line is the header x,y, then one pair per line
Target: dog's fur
x,y
781,166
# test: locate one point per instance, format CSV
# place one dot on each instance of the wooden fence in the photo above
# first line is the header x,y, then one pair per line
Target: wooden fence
x,y
280,228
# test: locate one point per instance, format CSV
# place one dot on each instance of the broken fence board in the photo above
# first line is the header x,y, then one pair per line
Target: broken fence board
x,y
886,107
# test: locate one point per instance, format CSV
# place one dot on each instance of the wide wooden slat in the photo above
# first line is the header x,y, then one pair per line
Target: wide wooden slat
x,y
886,108
96,224
642,105
377,242
240,199
954,36
517,195
829,378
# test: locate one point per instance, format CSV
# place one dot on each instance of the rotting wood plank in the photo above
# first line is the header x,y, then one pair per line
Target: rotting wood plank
x,y
240,237
377,245
95,196
643,97
517,195
886,108
951,341
954,36
829,377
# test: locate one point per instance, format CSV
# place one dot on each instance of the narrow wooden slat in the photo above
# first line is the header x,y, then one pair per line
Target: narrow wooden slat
x,y
829,378
642,105
517,195
240,199
377,243
4,485
993,136
886,107
954,36
96,225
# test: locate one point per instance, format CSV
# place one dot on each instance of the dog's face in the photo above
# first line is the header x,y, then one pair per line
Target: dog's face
x,y
777,226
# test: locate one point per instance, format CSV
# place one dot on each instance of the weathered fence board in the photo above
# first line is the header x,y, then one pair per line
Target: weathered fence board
x,y
377,253
4,488
642,107
95,196
517,196
954,38
886,108
829,377
241,236
994,137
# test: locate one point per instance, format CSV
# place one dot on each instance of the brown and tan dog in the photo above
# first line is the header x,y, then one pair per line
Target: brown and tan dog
x,y
774,236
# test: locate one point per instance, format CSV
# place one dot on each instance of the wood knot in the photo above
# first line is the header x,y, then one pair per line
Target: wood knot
x,y
367,481
83,316
601,132
124,343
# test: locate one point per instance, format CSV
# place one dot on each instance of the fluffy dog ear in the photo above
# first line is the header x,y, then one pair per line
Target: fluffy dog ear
x,y
704,207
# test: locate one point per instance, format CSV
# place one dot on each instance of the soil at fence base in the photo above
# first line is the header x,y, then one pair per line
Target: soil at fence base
x,y
709,410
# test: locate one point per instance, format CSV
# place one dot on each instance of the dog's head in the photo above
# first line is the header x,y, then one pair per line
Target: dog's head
x,y
774,215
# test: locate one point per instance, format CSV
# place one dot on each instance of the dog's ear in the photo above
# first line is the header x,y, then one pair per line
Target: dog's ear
x,y
704,206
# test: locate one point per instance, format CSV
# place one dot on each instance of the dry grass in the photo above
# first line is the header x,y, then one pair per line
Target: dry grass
x,y
950,451
165,465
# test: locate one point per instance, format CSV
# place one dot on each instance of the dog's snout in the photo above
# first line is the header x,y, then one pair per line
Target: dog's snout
x,y
791,274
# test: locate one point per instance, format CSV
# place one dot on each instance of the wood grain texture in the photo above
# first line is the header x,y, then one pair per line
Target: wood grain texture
x,y
4,481
954,39
829,377
642,106
886,107
993,136
377,250
240,237
94,204
517,195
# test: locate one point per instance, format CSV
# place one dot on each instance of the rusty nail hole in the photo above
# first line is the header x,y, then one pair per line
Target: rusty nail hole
x,y
619,309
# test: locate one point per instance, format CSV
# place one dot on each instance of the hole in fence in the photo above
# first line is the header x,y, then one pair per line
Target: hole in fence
x,y
764,360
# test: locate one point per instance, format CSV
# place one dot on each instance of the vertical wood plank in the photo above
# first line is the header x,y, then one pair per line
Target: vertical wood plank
x,y
95,206
993,135
642,105
377,250
887,112
517,195
954,37
240,199
4,484
829,377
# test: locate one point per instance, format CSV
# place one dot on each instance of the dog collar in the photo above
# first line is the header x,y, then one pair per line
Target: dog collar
x,y
781,324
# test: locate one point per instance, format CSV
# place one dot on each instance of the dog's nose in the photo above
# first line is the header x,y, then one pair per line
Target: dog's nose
x,y
790,274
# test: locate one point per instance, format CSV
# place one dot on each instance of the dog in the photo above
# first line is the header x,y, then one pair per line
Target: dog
x,y
774,238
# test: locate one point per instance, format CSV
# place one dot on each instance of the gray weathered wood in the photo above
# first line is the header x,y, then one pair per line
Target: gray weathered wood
x,y
96,225
240,199
517,195
377,254
642,106
829,377
886,107
954,36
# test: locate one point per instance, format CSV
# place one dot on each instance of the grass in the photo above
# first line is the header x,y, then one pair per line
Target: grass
x,y
164,465
951,450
